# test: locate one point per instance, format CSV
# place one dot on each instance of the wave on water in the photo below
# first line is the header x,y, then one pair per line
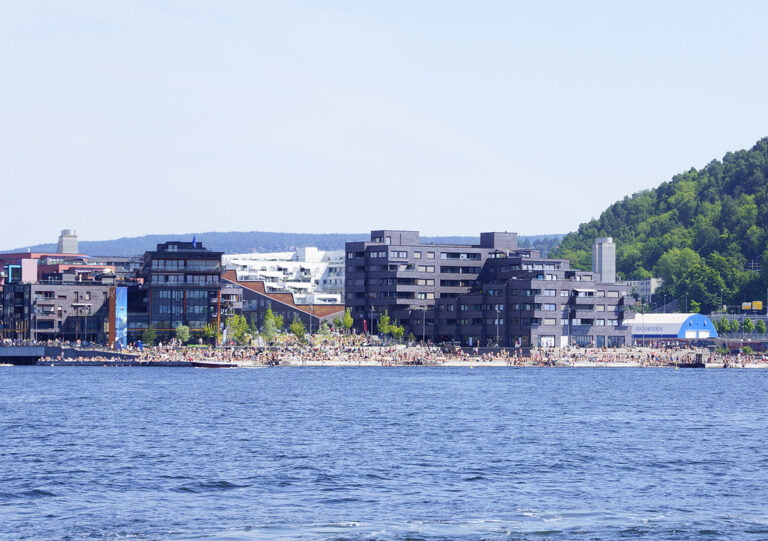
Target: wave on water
x,y
390,454
209,486
33,493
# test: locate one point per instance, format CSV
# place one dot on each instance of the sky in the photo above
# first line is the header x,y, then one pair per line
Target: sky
x,y
119,119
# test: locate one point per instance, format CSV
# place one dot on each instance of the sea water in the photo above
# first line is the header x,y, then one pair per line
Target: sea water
x,y
383,453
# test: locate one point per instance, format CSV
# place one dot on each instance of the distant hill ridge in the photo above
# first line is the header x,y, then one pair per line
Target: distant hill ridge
x,y
704,233
234,242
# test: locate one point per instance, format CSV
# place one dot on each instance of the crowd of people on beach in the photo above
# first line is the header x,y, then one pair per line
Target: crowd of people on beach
x,y
363,350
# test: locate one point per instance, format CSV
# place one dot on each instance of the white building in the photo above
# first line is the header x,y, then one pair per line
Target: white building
x,y
645,289
313,276
671,326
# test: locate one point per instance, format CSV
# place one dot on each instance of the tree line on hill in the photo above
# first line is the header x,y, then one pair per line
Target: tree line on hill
x,y
703,233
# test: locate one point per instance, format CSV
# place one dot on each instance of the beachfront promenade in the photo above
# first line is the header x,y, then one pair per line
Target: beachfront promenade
x,y
357,350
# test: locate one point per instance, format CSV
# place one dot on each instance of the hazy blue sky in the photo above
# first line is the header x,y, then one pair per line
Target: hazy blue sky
x,y
134,117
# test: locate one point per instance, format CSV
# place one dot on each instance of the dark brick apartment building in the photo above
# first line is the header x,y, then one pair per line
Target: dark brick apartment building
x,y
492,293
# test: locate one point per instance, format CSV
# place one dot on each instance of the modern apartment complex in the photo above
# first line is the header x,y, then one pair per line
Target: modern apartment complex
x,y
487,294
396,273
524,300
182,286
64,310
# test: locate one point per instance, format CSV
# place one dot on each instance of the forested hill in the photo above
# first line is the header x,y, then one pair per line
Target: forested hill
x,y
234,242
704,232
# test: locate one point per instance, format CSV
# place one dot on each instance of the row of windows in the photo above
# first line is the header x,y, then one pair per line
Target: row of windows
x,y
175,309
178,294
528,321
197,279
188,264
402,254
417,254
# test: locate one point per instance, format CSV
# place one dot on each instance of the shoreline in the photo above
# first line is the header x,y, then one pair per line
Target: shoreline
x,y
342,351
365,363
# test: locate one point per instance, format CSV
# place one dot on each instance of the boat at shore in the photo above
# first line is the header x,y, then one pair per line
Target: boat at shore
x,y
688,365
212,364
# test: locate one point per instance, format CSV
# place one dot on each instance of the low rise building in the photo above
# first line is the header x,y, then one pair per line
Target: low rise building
x,y
67,311
645,289
676,326
256,300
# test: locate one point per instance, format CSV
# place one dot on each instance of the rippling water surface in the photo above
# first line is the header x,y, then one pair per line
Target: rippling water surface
x,y
383,453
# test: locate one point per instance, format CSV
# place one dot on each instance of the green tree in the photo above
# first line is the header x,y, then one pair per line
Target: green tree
x,y
182,333
297,328
384,327
149,336
747,325
722,325
279,322
237,329
211,333
397,331
253,328
760,326
347,321
675,263
268,326
734,325
716,216
324,329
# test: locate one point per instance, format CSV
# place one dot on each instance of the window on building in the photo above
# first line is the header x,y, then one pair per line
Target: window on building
x,y
616,341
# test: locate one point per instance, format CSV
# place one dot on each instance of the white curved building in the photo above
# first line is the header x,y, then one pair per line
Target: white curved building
x,y
313,276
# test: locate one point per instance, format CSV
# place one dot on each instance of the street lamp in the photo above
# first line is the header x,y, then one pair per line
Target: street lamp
x,y
497,327
720,309
423,324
